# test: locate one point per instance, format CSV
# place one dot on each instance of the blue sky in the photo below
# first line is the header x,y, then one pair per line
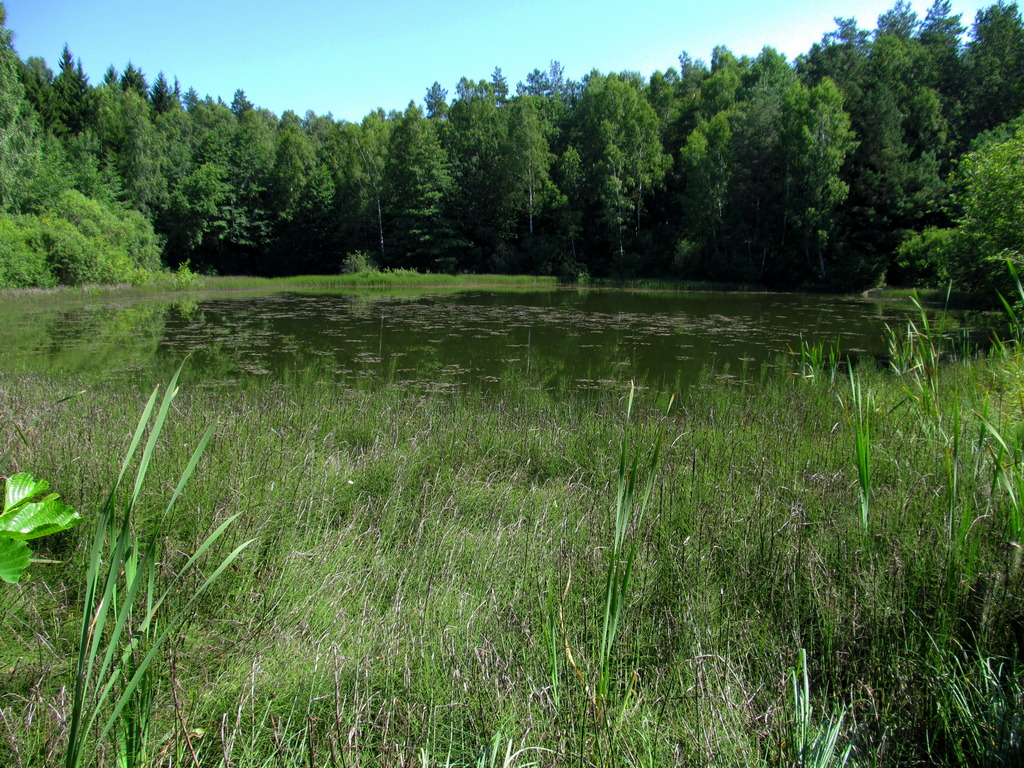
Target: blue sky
x,y
349,57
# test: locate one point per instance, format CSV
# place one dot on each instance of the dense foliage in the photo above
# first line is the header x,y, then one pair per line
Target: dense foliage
x,y
884,155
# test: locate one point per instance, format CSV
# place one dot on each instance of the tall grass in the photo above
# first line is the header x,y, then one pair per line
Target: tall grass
x,y
120,634
813,745
614,690
187,281
861,407
629,516
436,577
374,278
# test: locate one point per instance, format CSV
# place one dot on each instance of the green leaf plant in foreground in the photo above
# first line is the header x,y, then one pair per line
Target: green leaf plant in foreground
x,y
29,512
811,744
124,629
630,507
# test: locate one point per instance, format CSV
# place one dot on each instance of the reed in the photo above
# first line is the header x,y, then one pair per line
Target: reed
x,y
861,406
817,359
915,355
811,744
121,633
630,509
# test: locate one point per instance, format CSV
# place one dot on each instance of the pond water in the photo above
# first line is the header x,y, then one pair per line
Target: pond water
x,y
576,338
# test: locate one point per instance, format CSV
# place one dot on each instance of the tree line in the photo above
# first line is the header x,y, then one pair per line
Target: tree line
x,y
886,155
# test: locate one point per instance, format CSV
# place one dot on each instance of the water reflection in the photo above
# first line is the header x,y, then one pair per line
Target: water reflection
x,y
578,338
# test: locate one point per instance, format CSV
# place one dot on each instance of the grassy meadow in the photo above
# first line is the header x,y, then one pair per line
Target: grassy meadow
x,y
802,567
184,280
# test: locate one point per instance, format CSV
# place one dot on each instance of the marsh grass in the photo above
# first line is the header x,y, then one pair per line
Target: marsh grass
x,y
429,578
813,744
120,635
373,278
860,414
697,286
186,281
817,359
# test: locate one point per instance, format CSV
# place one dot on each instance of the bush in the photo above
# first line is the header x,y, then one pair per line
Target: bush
x,y
126,238
991,226
923,258
77,241
686,259
358,261
185,279
21,264
73,257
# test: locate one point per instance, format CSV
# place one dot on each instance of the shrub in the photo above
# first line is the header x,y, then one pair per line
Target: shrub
x,y
21,264
357,261
991,225
76,241
126,238
73,257
923,258
185,279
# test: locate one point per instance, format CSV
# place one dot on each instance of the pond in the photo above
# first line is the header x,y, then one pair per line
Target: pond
x,y
558,337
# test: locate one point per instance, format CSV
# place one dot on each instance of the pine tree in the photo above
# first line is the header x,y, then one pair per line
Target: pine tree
x,y
162,98
132,79
436,102
20,156
995,67
73,99
240,104
499,85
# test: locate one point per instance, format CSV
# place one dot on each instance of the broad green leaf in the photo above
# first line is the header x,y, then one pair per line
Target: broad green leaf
x,y
39,519
25,519
21,488
14,559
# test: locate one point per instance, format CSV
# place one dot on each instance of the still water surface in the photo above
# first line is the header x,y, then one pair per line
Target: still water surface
x,y
580,338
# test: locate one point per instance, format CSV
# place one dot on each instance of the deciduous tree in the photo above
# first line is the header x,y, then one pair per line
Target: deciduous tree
x,y
622,154
20,150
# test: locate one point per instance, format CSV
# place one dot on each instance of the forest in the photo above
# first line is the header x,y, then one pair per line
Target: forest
x,y
886,156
